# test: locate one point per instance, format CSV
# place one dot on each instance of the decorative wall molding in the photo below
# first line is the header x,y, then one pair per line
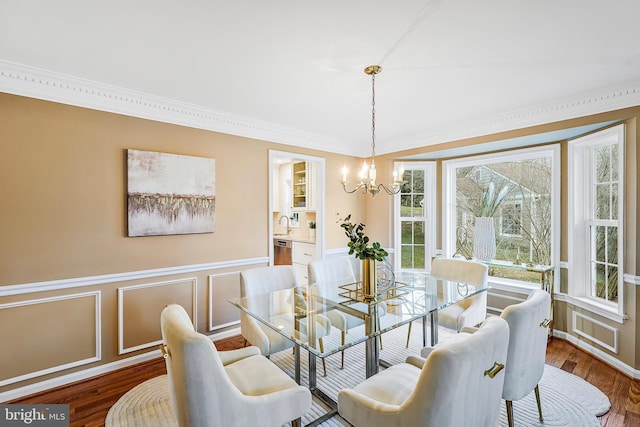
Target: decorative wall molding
x,y
192,281
212,277
19,79
601,100
98,338
630,278
616,332
38,83
54,285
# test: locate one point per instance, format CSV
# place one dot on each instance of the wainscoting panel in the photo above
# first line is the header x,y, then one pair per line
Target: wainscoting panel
x,y
498,299
599,333
223,287
66,328
140,306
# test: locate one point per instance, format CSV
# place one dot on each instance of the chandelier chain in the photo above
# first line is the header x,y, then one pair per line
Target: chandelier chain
x,y
373,116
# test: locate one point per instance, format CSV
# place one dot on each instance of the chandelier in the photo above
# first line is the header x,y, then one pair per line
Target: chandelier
x,y
368,172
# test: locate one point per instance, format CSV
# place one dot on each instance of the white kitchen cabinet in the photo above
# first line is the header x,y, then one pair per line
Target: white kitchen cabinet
x,y
302,182
303,254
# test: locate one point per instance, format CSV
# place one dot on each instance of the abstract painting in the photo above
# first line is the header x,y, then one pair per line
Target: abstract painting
x,y
170,194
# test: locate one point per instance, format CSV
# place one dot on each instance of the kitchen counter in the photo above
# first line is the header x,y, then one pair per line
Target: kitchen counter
x,y
294,238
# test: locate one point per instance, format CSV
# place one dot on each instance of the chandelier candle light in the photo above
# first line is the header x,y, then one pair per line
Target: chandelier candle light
x,y
368,172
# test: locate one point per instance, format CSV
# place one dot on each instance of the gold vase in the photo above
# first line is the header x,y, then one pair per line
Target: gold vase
x,y
369,278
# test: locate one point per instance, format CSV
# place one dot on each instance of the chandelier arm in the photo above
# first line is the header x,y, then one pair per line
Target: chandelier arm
x,y
391,192
358,187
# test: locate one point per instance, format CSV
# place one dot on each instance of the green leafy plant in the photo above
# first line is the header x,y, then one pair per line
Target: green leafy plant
x,y
491,201
311,224
359,243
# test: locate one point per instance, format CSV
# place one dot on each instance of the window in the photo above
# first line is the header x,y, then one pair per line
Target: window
x,y
596,171
415,217
526,219
511,219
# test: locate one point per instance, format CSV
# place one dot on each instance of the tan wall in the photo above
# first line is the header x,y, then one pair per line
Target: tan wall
x,y
63,173
63,220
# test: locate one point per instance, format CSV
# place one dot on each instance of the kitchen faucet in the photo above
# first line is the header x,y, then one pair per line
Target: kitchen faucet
x,y
288,224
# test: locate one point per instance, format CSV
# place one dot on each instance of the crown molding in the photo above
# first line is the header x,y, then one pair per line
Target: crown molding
x,y
584,104
19,79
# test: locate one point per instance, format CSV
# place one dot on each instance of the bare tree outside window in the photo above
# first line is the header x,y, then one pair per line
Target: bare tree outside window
x,y
412,224
523,219
604,235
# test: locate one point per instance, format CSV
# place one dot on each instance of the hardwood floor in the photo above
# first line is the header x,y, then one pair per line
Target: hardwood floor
x,y
91,399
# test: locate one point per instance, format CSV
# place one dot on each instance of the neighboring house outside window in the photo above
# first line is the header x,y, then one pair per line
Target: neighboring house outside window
x,y
527,220
596,180
511,219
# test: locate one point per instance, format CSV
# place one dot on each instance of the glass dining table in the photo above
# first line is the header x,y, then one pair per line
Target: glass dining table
x,y
403,298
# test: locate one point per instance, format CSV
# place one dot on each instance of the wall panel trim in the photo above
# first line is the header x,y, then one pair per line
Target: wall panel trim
x,y
210,326
98,338
192,281
54,285
574,318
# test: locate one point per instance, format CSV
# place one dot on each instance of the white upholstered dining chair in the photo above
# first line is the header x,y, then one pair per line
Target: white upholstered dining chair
x,y
332,272
459,384
262,280
238,387
528,334
528,329
471,311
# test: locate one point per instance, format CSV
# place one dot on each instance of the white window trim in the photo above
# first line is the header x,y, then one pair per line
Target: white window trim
x,y
429,211
449,199
577,215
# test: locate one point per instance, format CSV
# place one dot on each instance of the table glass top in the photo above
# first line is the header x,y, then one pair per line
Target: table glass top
x,y
301,314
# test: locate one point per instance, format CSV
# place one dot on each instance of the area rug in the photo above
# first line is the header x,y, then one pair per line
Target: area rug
x,y
567,400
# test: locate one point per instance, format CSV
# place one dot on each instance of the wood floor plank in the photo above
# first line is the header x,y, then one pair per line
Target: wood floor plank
x,y
632,402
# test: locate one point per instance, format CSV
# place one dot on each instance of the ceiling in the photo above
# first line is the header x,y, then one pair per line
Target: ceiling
x,y
292,71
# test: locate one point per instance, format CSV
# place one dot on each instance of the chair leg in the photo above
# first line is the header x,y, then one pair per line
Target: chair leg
x,y
343,340
245,342
537,390
408,335
510,412
379,336
324,363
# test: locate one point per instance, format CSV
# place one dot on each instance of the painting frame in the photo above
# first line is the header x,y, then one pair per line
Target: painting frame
x,y
169,194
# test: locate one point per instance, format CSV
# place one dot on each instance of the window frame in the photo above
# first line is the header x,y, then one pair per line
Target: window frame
x,y
429,212
581,218
449,200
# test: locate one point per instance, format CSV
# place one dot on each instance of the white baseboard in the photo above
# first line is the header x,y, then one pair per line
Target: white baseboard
x,y
85,374
615,363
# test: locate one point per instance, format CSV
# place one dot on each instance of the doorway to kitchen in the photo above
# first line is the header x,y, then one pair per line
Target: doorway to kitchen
x,y
296,209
